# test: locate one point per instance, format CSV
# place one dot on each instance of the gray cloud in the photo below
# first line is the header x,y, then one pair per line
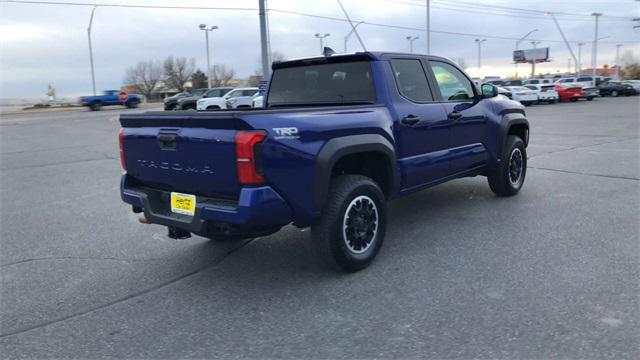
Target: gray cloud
x,y
48,43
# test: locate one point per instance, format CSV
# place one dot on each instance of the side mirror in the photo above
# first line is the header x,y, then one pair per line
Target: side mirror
x,y
489,91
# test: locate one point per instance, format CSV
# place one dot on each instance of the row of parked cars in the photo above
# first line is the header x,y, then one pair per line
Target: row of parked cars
x,y
219,98
535,91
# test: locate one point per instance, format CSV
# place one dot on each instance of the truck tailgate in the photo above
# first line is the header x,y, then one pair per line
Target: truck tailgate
x,y
164,153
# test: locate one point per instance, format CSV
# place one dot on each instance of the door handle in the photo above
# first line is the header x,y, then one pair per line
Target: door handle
x,y
410,120
455,115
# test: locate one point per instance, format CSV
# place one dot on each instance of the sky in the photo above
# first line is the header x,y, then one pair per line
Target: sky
x,y
41,44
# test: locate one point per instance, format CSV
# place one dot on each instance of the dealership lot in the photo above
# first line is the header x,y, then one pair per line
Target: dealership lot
x,y
552,272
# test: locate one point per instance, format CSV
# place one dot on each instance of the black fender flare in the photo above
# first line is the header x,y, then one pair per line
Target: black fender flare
x,y
339,147
508,121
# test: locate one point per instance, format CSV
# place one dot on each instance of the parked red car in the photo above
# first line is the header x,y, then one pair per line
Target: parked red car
x,y
569,93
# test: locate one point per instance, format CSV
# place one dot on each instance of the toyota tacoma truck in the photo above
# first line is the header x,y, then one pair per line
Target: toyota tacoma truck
x,y
338,137
110,97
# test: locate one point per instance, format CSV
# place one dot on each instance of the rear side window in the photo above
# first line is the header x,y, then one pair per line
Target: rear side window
x,y
531,87
585,78
333,83
534,81
454,86
411,79
248,92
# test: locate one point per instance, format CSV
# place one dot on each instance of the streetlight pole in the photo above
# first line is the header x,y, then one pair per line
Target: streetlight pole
x,y
206,30
533,62
321,37
265,48
346,38
411,39
518,45
93,74
594,55
479,42
428,27
618,46
579,64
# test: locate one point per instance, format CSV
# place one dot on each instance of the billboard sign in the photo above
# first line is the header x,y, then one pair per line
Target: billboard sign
x,y
530,55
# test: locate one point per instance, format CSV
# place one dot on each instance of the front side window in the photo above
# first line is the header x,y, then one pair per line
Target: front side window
x,y
316,84
585,78
411,79
454,86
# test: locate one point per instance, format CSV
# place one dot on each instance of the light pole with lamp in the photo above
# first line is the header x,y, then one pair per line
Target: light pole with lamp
x,y
206,30
579,64
594,55
93,74
411,39
321,37
346,38
618,46
518,45
479,42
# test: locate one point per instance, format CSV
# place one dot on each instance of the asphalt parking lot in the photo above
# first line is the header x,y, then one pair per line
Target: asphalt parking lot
x,y
550,273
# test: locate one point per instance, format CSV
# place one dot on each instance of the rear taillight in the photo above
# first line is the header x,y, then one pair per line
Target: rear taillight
x,y
121,143
248,173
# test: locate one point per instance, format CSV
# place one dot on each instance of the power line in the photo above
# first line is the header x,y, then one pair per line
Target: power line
x,y
282,11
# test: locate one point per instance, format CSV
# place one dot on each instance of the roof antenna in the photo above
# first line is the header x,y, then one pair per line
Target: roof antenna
x,y
352,26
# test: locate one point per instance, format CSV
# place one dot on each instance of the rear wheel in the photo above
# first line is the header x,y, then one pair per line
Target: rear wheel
x,y
96,106
507,179
353,224
132,104
590,98
614,93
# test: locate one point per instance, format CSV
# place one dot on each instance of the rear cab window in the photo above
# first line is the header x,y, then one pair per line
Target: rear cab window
x,y
349,82
411,80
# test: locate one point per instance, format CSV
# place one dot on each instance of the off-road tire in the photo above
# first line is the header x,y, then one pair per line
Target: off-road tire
x,y
328,235
501,179
96,106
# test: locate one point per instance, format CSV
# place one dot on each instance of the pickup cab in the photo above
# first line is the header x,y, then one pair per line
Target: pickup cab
x,y
337,138
110,97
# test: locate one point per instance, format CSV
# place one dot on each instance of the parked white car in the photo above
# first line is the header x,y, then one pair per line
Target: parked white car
x,y
537,81
545,93
634,83
582,81
522,94
258,101
234,99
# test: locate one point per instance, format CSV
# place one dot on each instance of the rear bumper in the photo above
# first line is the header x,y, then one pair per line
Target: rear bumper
x,y
256,210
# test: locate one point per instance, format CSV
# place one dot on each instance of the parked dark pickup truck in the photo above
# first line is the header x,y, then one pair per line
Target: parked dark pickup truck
x,y
338,137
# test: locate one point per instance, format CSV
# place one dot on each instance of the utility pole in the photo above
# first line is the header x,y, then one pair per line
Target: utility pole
x,y
518,45
579,63
411,39
564,38
346,38
618,46
93,74
321,37
594,55
264,40
428,27
533,62
206,30
479,42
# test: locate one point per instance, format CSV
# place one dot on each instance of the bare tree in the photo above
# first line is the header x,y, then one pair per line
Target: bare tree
x,y
178,71
221,75
145,76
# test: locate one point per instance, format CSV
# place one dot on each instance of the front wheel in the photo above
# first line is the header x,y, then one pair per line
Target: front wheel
x,y
614,93
352,228
507,179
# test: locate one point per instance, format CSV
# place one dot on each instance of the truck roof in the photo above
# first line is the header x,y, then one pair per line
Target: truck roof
x,y
361,55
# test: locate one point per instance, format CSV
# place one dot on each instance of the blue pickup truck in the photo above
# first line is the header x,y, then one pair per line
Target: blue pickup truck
x,y
110,97
337,138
